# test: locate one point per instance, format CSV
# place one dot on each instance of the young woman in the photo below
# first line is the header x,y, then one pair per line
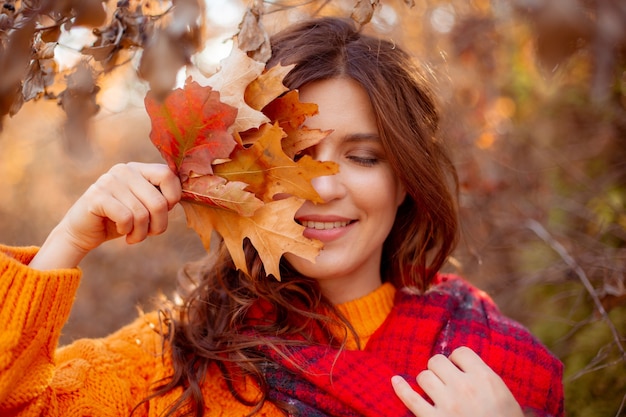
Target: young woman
x,y
370,329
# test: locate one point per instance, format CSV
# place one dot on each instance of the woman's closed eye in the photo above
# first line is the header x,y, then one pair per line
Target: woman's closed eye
x,y
366,156
364,160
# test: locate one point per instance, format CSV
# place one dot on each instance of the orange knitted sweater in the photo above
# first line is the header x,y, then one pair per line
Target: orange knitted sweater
x,y
108,376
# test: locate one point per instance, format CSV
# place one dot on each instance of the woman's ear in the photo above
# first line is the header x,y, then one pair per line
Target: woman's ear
x,y
401,194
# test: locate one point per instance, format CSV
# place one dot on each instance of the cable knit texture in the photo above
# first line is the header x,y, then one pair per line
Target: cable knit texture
x,y
90,377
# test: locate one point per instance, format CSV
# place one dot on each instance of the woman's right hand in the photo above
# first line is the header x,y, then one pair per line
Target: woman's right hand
x,y
123,202
459,385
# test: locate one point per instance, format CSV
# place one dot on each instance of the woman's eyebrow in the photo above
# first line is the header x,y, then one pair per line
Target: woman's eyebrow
x,y
362,137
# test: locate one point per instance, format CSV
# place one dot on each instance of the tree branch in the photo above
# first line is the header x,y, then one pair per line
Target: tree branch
x,y
544,235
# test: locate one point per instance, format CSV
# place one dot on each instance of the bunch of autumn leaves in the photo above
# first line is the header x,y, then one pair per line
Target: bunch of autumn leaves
x,y
232,144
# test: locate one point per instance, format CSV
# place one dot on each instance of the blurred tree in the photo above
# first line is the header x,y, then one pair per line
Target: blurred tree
x,y
533,98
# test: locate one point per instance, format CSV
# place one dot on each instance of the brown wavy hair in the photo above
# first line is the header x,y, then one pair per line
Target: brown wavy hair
x,y
209,331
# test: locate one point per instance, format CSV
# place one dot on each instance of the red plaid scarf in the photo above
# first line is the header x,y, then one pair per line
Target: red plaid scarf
x,y
451,314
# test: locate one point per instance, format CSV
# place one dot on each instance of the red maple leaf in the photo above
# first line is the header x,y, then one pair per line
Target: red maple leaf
x,y
190,128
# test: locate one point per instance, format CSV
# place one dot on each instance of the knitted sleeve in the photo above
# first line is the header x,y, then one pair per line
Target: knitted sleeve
x,y
104,377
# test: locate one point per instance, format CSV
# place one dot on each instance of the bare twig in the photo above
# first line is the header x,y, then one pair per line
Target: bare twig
x,y
621,406
544,235
590,369
597,363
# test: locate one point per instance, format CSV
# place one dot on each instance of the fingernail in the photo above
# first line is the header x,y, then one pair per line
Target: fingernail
x,y
396,379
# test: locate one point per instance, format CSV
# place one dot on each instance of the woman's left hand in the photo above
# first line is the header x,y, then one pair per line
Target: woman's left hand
x,y
459,386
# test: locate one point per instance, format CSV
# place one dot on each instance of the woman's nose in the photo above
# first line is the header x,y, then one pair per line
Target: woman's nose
x,y
329,187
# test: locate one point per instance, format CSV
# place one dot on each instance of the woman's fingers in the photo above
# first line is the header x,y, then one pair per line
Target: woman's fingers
x,y
440,373
112,215
129,200
462,385
413,401
467,360
147,192
164,179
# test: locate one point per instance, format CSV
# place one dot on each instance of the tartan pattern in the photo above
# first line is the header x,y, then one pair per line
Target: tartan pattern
x,y
451,314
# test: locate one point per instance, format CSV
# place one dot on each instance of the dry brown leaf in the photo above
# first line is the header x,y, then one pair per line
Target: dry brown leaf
x,y
363,11
252,37
236,72
216,191
161,60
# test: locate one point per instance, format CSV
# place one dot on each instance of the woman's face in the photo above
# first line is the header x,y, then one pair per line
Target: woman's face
x,y
360,201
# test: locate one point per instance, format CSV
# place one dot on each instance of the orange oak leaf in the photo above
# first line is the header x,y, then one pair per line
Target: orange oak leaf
x,y
190,128
302,138
268,230
269,171
291,114
268,86
289,110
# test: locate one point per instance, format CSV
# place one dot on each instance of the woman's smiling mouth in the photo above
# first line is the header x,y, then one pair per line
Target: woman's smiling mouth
x,y
325,229
323,225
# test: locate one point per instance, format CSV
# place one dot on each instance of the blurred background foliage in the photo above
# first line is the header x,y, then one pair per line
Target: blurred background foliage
x,y
533,100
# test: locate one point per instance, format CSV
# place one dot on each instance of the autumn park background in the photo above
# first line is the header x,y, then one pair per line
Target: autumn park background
x,y
533,99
